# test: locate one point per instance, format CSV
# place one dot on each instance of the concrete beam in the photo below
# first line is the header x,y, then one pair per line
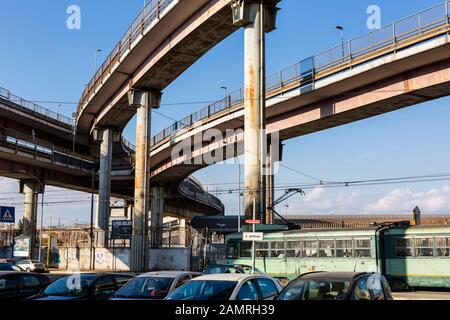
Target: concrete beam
x,y
157,215
30,189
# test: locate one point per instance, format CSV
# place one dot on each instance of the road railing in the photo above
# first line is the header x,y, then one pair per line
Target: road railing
x,y
7,95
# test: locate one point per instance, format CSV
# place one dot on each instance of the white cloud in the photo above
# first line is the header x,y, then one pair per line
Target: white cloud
x,y
318,201
404,200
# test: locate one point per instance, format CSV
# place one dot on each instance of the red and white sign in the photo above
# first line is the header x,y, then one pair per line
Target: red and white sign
x,y
253,221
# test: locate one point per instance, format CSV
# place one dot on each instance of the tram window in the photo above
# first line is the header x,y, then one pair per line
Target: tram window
x,y
246,249
277,249
310,249
424,247
232,251
344,248
326,248
293,249
262,249
403,247
443,247
362,248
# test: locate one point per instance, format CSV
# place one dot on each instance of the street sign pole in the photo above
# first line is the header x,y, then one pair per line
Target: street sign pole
x,y
253,242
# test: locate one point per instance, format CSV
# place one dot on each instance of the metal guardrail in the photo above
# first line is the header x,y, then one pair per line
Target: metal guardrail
x,y
151,12
37,147
351,53
7,95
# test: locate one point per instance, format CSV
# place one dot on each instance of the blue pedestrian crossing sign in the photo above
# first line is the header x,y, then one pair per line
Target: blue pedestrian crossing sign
x,y
7,215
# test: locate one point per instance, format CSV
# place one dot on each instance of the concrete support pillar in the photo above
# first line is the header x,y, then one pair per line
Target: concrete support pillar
x,y
30,213
270,182
103,212
184,233
144,101
254,120
157,216
257,17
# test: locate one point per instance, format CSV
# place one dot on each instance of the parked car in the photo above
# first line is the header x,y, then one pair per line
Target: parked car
x,y
6,266
154,285
20,285
31,265
84,286
8,260
337,286
232,268
235,286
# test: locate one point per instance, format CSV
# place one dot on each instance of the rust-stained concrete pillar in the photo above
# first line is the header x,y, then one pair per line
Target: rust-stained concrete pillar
x,y
257,17
144,101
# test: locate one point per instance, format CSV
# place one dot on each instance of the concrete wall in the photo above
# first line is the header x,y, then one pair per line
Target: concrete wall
x,y
170,259
118,259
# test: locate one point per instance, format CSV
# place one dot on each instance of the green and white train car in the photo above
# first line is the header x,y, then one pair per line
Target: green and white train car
x,y
418,255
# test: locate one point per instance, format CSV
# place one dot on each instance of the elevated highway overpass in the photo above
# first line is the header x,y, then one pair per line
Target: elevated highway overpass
x,y
399,65
40,147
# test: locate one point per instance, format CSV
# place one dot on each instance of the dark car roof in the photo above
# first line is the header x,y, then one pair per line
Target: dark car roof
x,y
2,273
332,275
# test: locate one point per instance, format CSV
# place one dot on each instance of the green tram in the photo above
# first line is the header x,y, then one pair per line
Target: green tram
x,y
417,255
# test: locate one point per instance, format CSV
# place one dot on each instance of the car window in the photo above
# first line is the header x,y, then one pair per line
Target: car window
x,y
104,287
146,288
29,281
375,287
121,280
248,291
182,280
267,288
361,291
8,285
204,290
316,289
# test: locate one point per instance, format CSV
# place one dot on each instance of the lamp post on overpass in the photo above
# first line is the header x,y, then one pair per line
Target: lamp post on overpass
x,y
97,51
42,210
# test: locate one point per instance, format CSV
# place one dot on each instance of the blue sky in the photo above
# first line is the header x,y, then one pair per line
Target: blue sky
x,y
44,61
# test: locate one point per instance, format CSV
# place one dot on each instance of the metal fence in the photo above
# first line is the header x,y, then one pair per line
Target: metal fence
x,y
349,53
21,142
7,95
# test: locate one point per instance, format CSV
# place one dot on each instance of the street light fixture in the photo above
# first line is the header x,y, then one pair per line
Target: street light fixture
x,y
227,96
42,210
341,29
95,59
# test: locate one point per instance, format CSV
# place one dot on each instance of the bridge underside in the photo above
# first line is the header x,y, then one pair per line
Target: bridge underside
x,y
404,90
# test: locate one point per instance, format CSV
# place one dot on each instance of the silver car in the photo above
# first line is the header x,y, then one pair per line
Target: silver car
x,y
230,286
31,265
154,285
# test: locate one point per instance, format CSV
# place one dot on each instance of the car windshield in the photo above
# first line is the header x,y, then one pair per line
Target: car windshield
x,y
35,261
204,290
316,289
146,288
72,286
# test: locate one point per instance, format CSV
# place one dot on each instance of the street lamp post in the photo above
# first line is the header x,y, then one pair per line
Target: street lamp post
x,y
42,211
239,193
341,29
95,59
227,96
